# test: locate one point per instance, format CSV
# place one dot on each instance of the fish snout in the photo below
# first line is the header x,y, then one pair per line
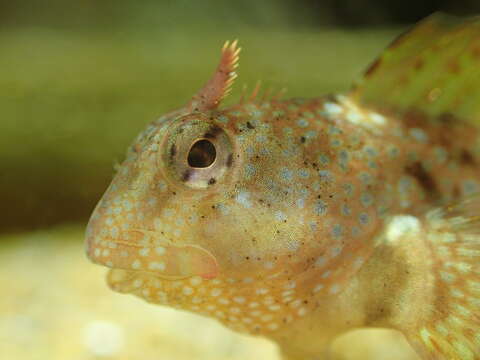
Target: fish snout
x,y
140,250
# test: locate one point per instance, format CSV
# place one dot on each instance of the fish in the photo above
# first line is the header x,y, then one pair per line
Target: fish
x,y
301,219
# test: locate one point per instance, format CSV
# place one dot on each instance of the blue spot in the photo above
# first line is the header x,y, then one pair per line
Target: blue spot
x,y
304,173
320,207
337,231
302,123
364,218
323,159
286,174
223,119
366,199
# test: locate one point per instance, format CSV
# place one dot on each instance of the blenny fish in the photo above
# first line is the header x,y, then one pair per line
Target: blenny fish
x,y
302,219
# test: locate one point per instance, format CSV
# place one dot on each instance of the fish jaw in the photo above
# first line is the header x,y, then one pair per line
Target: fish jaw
x,y
142,250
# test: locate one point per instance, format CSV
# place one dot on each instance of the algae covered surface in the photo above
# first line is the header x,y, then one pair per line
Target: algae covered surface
x,y
55,305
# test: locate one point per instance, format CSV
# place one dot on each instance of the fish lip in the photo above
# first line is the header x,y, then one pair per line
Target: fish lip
x,y
163,258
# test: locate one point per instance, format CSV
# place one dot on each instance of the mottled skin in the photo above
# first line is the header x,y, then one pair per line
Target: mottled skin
x,y
282,217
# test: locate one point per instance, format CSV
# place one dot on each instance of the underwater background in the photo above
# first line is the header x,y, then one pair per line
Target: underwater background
x,y
78,81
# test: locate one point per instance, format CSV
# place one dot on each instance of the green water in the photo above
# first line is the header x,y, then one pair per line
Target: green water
x,y
71,101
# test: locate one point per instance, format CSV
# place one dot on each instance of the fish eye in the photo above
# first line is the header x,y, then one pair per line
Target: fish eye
x,y
202,154
196,152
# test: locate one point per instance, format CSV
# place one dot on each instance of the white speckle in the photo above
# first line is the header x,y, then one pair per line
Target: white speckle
x,y
267,317
321,261
280,216
137,283
332,108
220,314
235,310
302,311
274,307
247,320
243,198
268,265
144,252
196,280
272,326
106,252
187,290
334,289
103,339
317,288
354,117
157,265
162,297
261,291
400,225
239,299
215,292
160,250
326,274
223,301
136,264
377,118
296,303
96,252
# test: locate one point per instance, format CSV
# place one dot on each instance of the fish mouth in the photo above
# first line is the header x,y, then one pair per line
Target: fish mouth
x,y
145,251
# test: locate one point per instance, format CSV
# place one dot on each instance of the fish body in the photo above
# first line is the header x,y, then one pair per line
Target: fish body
x,y
301,219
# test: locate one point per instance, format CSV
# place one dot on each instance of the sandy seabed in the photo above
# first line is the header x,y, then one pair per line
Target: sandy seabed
x,y
56,305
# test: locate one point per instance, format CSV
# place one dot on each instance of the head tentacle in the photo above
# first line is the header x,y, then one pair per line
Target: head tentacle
x,y
220,84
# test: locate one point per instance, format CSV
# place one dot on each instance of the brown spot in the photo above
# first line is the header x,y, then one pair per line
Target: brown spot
x,y
212,132
424,179
418,65
373,66
476,52
186,175
249,125
303,139
466,158
173,150
447,118
230,160
453,66
212,181
456,192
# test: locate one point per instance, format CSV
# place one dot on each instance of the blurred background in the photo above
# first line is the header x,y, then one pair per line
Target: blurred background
x,y
78,81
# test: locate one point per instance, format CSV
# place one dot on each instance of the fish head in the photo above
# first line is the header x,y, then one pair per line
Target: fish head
x,y
232,201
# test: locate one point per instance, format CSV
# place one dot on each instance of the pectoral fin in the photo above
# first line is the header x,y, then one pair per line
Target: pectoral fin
x,y
447,323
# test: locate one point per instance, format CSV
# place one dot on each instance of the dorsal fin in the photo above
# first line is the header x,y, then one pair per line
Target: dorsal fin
x,y
434,68
219,85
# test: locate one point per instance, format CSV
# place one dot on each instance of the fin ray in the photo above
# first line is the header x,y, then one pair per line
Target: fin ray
x,y
432,69
449,326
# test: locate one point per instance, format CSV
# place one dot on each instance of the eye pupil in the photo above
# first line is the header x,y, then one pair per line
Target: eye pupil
x,y
202,154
